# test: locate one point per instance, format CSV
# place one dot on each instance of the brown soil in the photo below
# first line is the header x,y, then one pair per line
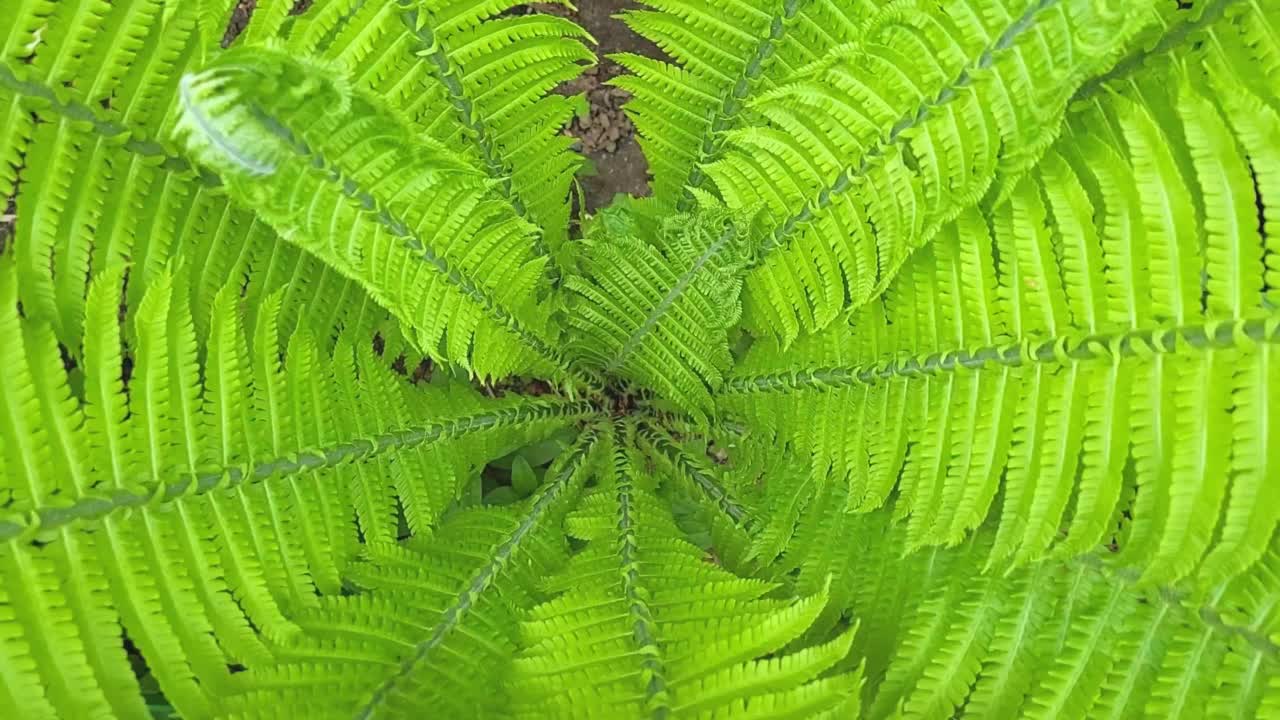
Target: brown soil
x,y
608,137
239,19
606,134
243,10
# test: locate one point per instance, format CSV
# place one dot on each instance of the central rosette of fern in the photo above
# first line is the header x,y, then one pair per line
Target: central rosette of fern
x,y
652,300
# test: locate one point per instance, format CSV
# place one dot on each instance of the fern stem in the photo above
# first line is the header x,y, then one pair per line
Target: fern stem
x,y
732,101
642,619
465,110
483,578
78,112
672,296
1064,349
463,107
154,492
1176,598
1213,12
914,118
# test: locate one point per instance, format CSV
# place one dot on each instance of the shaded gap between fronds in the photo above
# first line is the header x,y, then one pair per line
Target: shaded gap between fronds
x,y
661,442
483,577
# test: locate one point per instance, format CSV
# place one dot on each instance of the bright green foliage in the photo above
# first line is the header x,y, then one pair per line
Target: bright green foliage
x,y
1084,309
109,137
434,622
289,468
919,117
939,377
1064,638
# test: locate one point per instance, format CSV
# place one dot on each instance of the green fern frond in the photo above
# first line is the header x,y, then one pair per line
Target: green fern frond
x,y
646,627
1184,658
100,184
1112,309
937,380
271,19
919,117
1056,639
109,491
683,465
724,54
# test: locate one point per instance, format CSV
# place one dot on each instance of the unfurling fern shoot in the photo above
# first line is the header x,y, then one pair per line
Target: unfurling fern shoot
x,y
938,377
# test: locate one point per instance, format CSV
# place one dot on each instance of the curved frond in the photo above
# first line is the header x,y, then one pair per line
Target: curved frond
x,y
472,74
343,177
98,183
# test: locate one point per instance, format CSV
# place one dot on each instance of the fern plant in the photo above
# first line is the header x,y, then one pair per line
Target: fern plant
x,y
937,378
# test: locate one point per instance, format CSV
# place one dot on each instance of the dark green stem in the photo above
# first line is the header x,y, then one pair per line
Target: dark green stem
x,y
663,443
1066,349
154,492
673,295
48,101
642,619
465,110
1169,42
463,107
733,101
1177,598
